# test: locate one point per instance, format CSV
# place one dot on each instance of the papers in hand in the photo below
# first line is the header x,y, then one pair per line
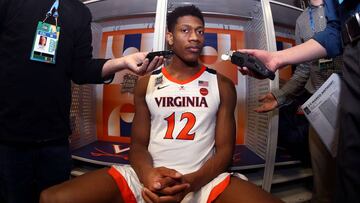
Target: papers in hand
x,y
322,111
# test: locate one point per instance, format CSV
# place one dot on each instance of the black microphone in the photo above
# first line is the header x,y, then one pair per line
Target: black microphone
x,y
249,61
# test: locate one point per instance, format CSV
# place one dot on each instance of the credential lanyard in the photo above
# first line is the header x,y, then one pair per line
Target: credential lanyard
x,y
54,8
311,18
46,38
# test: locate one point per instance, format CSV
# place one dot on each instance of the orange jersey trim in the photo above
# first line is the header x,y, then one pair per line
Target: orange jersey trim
x,y
182,82
218,189
126,193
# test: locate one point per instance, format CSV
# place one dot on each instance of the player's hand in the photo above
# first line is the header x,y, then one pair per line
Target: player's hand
x,y
268,103
175,194
267,58
139,64
164,185
160,178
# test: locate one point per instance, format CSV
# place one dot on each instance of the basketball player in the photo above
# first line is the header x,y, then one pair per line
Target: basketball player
x,y
182,137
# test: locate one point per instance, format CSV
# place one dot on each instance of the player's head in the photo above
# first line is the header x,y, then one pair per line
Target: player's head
x,y
178,12
186,32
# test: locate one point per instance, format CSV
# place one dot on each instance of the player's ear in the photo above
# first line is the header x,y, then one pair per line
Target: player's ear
x,y
169,38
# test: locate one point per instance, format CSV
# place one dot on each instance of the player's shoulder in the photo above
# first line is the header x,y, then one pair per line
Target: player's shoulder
x,y
223,80
210,71
156,75
226,87
156,72
141,85
144,79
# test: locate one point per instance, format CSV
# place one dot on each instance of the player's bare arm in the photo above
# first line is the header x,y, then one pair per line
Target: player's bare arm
x,y
224,138
139,156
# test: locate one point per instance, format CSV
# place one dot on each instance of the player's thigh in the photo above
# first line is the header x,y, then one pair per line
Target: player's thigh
x,y
92,187
243,191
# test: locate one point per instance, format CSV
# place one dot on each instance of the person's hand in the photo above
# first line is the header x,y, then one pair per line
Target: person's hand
x,y
173,194
139,64
164,185
160,178
268,58
136,63
268,103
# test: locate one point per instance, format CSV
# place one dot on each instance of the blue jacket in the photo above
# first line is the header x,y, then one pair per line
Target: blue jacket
x,y
336,14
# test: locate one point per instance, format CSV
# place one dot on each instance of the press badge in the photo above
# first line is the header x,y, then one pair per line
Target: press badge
x,y
45,43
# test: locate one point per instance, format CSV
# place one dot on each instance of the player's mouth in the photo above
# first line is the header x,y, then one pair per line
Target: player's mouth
x,y
193,49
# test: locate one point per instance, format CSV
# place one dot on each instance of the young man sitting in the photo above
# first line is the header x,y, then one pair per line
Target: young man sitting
x,y
183,134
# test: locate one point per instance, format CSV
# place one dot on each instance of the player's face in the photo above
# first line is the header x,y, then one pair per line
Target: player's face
x,y
187,38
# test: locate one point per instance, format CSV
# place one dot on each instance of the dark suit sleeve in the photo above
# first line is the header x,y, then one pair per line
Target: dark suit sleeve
x,y
3,11
84,68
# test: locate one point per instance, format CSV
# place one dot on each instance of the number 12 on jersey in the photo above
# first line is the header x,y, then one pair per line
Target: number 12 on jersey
x,y
184,133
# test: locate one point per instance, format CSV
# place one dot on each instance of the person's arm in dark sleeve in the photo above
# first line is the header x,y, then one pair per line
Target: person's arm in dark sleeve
x,y
85,69
330,37
296,84
3,11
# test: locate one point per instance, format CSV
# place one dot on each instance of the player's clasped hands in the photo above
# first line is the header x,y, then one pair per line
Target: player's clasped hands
x,y
164,185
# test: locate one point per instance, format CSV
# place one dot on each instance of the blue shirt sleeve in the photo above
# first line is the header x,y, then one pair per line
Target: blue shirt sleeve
x,y
330,37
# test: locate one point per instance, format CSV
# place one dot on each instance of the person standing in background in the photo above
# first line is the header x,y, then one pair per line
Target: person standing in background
x,y
342,34
35,86
310,75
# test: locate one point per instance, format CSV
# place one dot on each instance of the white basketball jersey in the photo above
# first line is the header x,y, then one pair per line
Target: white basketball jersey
x,y
183,119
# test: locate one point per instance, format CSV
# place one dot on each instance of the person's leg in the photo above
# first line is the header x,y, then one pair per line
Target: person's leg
x,y
53,166
93,187
348,161
240,191
323,165
16,174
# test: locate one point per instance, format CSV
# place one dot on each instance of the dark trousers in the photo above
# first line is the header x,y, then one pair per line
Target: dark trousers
x,y
26,170
323,166
348,159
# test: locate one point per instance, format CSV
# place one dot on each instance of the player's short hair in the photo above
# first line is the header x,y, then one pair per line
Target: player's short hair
x,y
178,12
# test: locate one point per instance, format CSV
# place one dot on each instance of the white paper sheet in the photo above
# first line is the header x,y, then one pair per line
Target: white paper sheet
x,y
322,111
